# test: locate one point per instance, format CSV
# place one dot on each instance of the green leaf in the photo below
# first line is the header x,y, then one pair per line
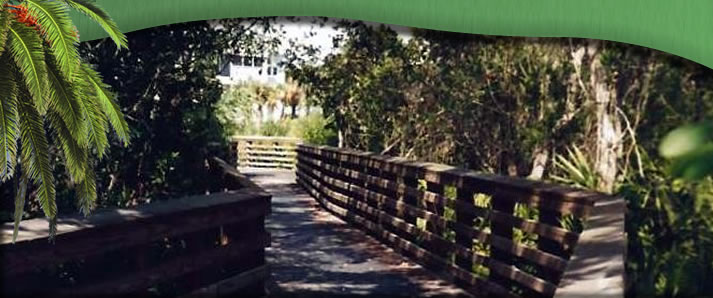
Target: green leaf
x,y
4,28
35,157
106,100
694,165
100,16
19,204
57,29
74,154
26,48
9,129
64,100
97,126
87,191
686,139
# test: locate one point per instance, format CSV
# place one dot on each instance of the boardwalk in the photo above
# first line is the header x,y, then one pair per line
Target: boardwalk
x,y
315,254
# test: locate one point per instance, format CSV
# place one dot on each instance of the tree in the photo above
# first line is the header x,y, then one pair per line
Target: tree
x,y
293,95
43,79
168,89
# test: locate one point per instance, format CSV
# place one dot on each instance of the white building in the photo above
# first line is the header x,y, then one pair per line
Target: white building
x,y
239,69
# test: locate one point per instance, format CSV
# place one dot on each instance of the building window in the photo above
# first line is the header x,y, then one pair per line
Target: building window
x,y
259,61
248,61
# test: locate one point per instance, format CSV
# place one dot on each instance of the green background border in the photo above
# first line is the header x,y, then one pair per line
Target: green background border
x,y
680,27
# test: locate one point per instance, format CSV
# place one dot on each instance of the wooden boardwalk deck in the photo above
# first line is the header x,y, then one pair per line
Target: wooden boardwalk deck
x,y
315,254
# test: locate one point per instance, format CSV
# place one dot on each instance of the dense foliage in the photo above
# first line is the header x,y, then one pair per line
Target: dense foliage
x,y
584,112
166,85
44,80
166,88
249,109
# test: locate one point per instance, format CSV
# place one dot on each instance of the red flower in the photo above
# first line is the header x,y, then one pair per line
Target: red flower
x,y
22,15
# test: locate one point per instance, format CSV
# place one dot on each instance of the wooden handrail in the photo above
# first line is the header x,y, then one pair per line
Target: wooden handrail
x,y
185,241
417,207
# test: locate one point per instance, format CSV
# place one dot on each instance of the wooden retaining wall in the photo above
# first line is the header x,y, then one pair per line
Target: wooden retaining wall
x,y
266,152
492,235
208,245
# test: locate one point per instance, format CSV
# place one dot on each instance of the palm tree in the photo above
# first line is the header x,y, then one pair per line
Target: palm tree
x,y
293,96
43,80
265,96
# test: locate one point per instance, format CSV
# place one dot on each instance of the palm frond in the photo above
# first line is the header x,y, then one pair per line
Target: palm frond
x,y
35,157
87,191
9,130
57,29
26,49
100,16
75,155
64,100
20,203
97,127
106,100
4,27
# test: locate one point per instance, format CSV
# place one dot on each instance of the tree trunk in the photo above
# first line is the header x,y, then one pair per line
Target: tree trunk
x,y
340,135
260,117
294,112
540,157
608,125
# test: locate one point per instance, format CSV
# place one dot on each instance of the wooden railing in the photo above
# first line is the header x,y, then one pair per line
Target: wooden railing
x,y
492,235
207,245
265,152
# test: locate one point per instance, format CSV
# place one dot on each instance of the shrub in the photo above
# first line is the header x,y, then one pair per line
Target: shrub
x,y
314,129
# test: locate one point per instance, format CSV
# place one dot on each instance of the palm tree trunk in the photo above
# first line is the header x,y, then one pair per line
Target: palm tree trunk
x,y
608,125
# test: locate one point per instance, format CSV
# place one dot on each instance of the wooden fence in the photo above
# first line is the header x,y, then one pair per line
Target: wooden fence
x,y
492,235
207,245
266,152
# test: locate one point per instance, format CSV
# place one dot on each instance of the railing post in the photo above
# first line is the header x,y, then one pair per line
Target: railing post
x,y
501,204
550,246
437,208
465,196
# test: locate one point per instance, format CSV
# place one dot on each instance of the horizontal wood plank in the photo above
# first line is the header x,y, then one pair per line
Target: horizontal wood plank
x,y
523,278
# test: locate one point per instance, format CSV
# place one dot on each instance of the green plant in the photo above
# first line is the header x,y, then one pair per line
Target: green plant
x,y
234,110
274,128
314,129
43,78
691,149
575,169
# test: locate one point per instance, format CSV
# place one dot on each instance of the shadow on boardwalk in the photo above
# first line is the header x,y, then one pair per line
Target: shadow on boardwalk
x,y
315,254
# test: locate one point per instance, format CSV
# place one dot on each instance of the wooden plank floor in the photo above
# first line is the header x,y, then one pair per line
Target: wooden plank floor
x,y
315,254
